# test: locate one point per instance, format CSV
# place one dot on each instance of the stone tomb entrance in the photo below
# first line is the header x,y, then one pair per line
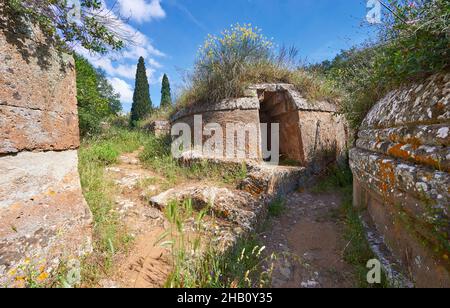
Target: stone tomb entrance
x,y
276,107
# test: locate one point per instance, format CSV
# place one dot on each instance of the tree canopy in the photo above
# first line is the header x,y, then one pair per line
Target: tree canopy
x,y
142,103
91,24
96,97
166,96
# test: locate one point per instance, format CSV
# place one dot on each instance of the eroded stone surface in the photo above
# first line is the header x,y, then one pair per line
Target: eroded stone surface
x,y
44,218
236,206
265,179
422,103
401,166
38,106
43,214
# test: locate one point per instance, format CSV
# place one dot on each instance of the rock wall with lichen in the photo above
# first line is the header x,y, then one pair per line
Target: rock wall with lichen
x,y
44,218
401,166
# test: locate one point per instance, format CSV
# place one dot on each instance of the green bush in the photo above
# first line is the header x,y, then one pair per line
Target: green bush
x,y
97,100
335,178
415,39
413,44
104,153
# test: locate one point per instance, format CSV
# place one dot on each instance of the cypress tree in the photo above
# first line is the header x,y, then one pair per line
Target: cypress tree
x,y
142,103
166,97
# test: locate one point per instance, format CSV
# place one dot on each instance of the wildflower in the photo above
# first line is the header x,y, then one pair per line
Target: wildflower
x,y
43,276
12,272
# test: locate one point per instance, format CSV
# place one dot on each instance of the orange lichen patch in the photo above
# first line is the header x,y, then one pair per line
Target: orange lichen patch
x,y
378,139
398,152
430,161
387,176
394,137
414,142
440,106
429,177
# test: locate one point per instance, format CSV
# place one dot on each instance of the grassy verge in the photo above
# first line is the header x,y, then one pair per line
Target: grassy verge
x,y
358,251
110,235
157,156
201,265
96,154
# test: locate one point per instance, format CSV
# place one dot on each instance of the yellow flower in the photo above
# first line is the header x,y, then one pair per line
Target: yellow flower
x,y
42,276
27,261
12,272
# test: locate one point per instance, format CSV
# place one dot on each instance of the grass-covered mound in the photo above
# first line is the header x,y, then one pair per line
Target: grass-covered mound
x,y
227,64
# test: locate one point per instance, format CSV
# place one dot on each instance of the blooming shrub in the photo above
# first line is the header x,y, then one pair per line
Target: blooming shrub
x,y
240,56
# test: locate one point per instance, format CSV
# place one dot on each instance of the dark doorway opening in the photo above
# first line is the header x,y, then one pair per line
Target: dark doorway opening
x,y
276,107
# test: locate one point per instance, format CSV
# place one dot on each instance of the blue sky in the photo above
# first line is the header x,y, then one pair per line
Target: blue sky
x,y
168,33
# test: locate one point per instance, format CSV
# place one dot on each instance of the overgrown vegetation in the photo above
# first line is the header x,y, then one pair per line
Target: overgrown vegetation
x,y
241,56
413,44
277,207
334,178
95,27
110,235
97,100
202,265
157,156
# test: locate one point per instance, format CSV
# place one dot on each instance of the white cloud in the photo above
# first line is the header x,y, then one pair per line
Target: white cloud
x,y
142,10
120,67
123,88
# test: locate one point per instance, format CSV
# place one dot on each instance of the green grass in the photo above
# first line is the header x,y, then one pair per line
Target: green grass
x,y
277,207
157,156
358,251
199,264
110,235
335,178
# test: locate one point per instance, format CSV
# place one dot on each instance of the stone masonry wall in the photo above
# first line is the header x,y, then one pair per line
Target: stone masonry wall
x,y
401,171
311,133
43,215
238,117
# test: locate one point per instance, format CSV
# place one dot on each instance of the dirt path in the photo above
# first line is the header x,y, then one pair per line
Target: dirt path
x,y
147,264
307,237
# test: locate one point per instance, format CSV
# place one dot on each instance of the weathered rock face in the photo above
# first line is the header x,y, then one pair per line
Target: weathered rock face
x,y
310,132
43,214
235,206
401,171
